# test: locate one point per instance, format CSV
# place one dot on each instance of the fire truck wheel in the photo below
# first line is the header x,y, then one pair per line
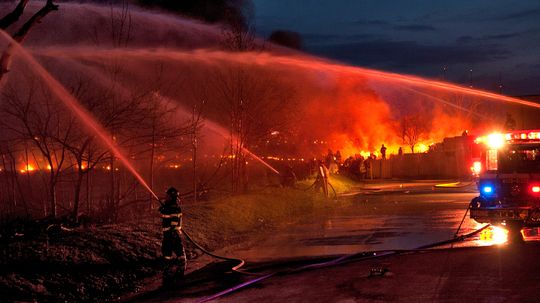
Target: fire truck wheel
x,y
514,232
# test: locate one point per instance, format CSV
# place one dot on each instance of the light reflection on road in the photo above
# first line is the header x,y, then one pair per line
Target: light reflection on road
x,y
377,222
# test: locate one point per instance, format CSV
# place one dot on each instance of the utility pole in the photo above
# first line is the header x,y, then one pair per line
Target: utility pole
x,y
445,69
500,84
470,78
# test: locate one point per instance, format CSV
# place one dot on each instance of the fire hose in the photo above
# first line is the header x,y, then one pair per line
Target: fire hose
x,y
342,260
315,183
235,268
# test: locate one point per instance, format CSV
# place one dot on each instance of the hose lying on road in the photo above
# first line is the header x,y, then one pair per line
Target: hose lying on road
x,y
341,260
235,268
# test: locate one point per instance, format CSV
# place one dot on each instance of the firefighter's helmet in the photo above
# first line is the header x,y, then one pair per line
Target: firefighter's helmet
x,y
173,193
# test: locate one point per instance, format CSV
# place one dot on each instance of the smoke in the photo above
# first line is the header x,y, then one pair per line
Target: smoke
x,y
87,24
346,113
317,107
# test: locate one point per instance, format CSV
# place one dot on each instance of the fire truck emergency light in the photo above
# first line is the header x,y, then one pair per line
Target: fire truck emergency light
x,y
488,189
535,189
495,141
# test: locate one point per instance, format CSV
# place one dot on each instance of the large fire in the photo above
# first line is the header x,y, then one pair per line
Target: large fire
x,y
352,118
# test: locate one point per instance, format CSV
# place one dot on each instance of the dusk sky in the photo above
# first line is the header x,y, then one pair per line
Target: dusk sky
x,y
499,40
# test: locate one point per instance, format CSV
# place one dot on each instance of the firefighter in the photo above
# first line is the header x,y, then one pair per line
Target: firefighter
x,y
383,152
510,123
322,179
171,216
288,178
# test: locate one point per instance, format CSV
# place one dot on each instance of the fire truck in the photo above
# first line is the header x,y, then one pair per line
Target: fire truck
x,y
509,181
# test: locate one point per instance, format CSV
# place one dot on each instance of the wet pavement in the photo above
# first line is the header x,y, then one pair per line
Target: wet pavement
x,y
383,216
507,273
393,215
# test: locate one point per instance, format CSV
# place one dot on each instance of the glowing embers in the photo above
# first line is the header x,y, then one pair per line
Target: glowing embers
x,y
27,168
493,235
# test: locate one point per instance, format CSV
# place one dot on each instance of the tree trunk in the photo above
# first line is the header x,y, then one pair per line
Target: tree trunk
x,y
194,158
14,16
88,190
20,35
152,155
112,197
52,191
77,193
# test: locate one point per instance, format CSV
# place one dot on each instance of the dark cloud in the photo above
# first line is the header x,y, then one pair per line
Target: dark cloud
x,y
415,27
502,36
464,39
314,38
419,37
400,27
492,37
524,14
406,54
373,22
536,66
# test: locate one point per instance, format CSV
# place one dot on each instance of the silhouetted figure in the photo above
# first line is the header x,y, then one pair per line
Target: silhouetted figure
x,y
367,167
171,219
383,152
329,158
202,191
338,157
400,151
510,123
288,178
322,179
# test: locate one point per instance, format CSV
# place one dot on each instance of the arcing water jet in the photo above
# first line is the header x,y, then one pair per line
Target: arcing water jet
x,y
73,105
220,130
135,61
138,62
210,125
267,59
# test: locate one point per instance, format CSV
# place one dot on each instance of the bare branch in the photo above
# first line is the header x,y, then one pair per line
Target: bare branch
x,y
20,35
14,16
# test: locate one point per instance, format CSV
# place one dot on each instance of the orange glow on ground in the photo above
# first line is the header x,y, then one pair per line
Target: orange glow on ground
x,y
493,235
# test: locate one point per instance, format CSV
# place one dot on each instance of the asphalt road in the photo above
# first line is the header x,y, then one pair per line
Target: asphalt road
x,y
378,217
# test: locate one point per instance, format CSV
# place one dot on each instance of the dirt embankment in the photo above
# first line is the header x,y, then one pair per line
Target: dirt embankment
x,y
77,265
102,262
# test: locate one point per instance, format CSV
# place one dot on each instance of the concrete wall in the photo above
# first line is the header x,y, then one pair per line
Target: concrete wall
x,y
451,159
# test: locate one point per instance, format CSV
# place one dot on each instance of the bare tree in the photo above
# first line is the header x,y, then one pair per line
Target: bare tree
x,y
239,31
36,118
252,98
12,194
159,131
413,128
196,125
20,35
